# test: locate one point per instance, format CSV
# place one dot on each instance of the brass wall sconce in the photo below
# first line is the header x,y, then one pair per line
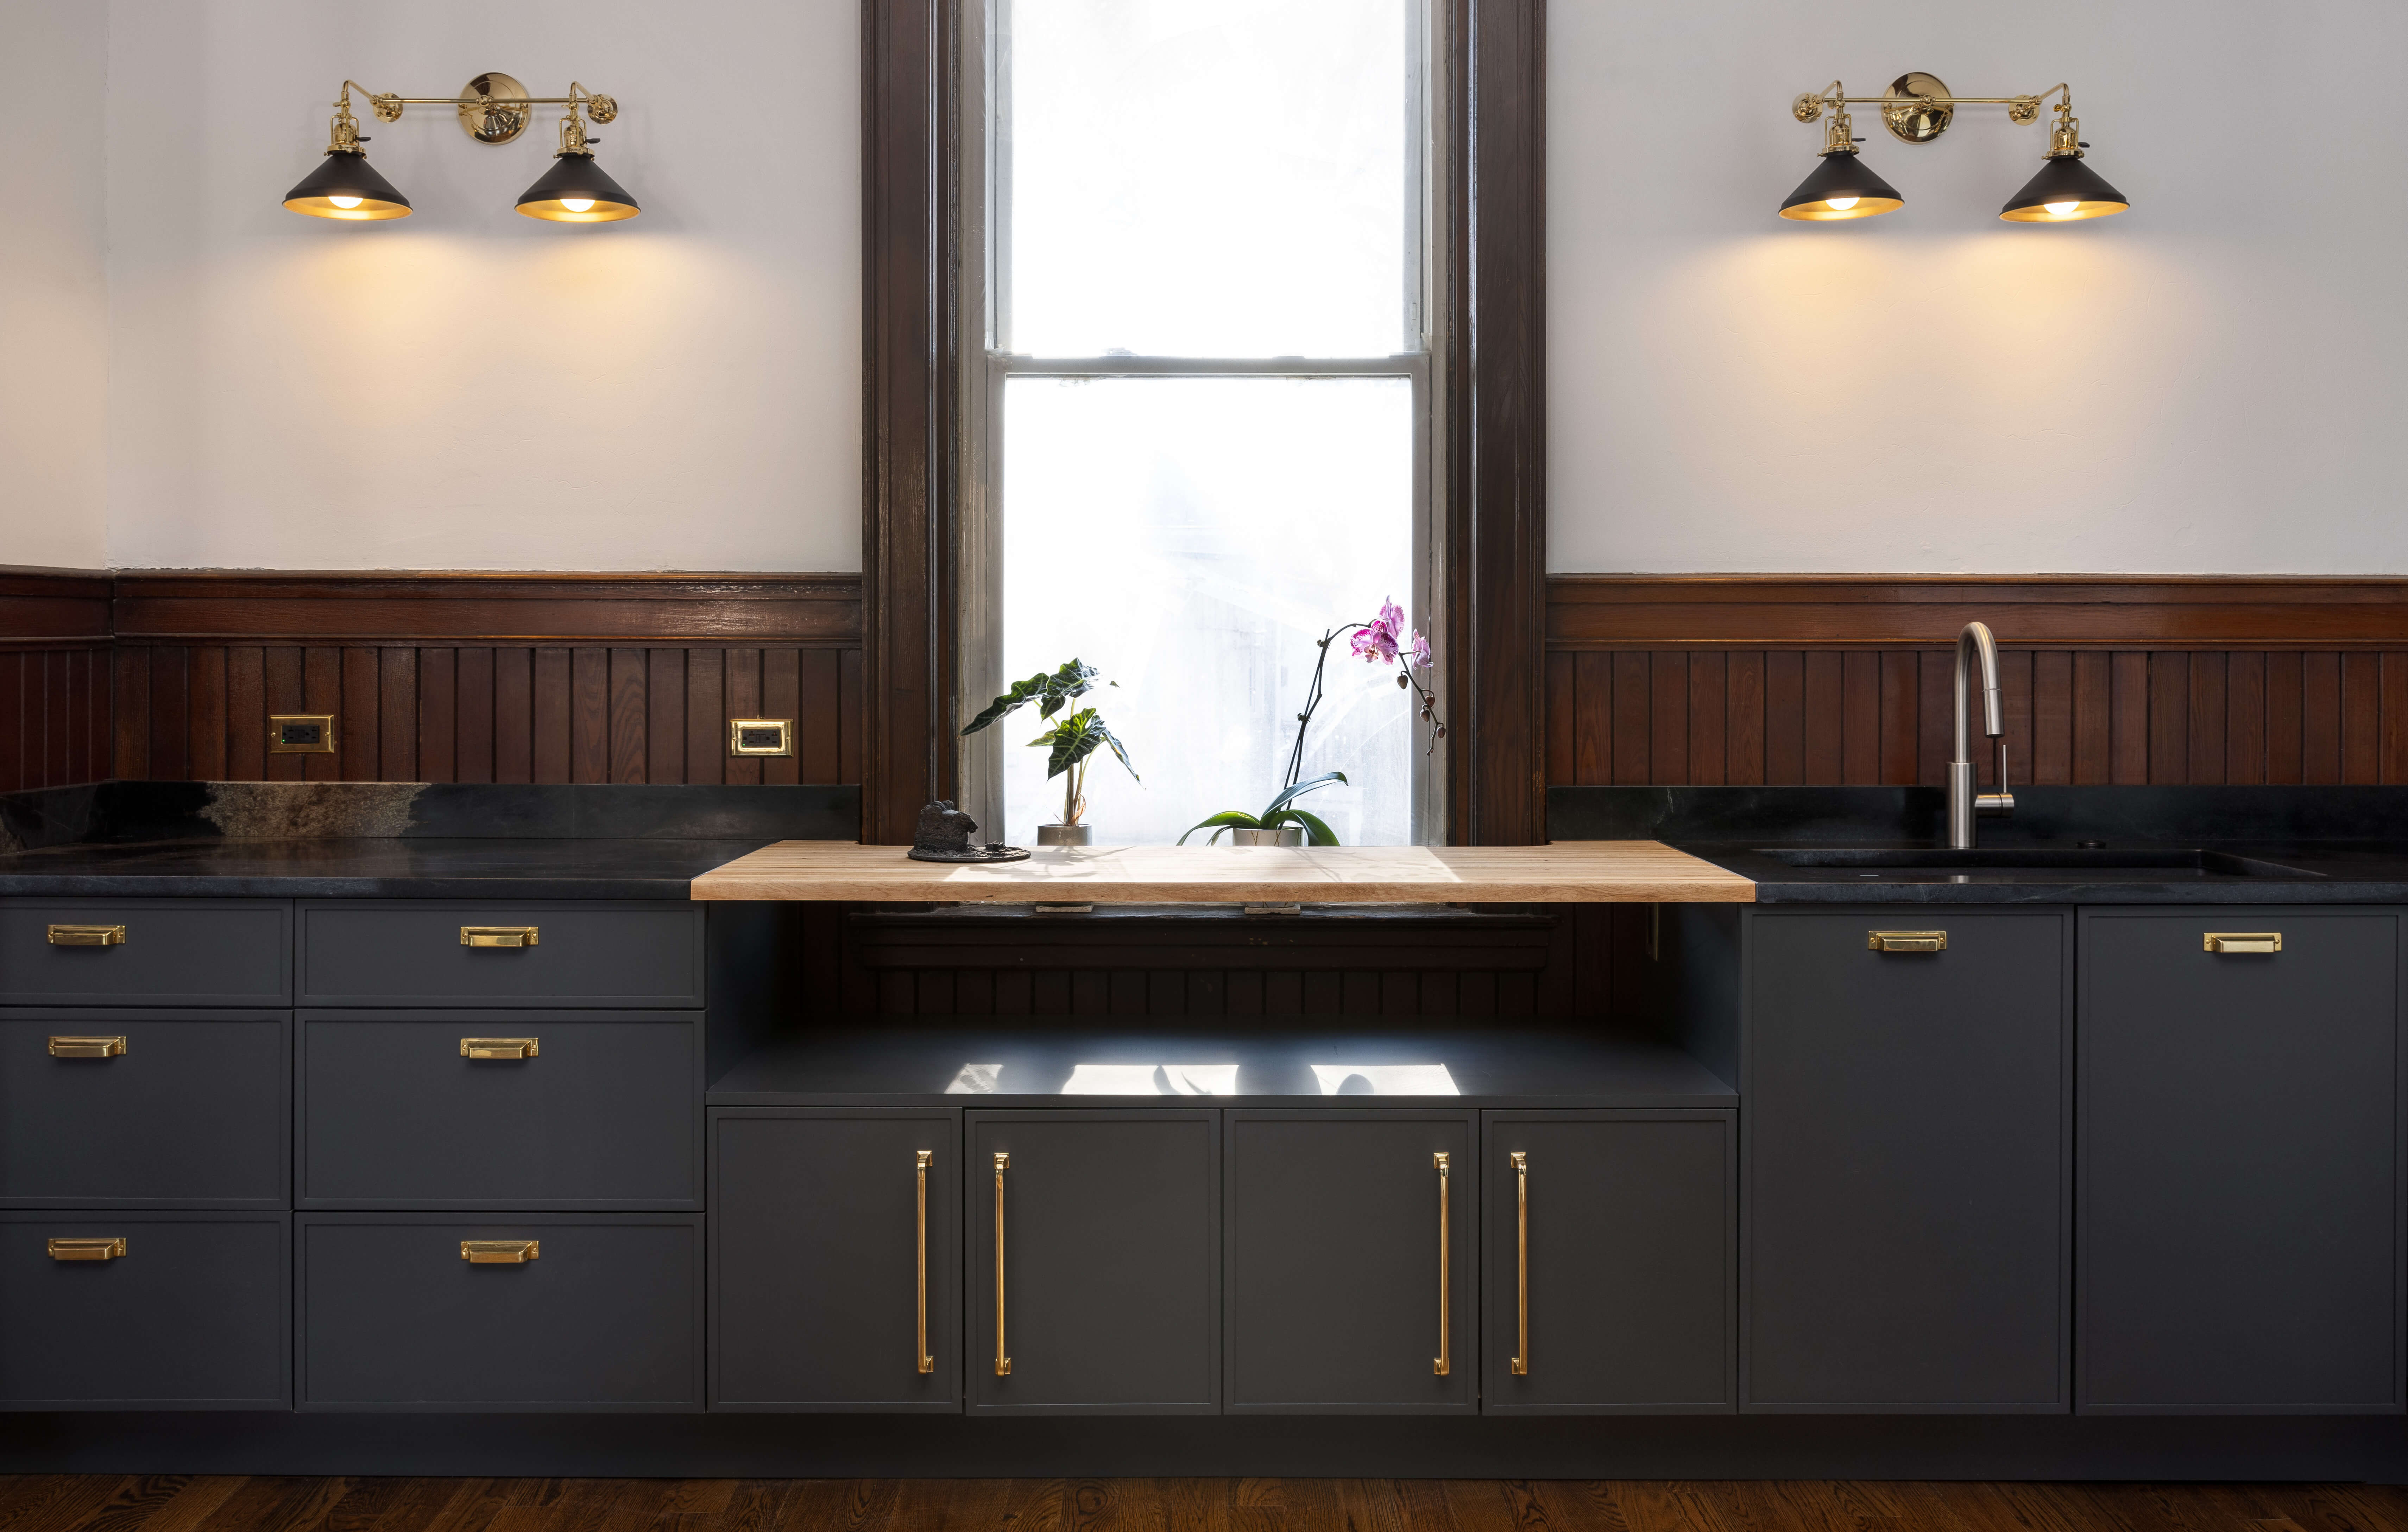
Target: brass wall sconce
x,y
1918,108
494,109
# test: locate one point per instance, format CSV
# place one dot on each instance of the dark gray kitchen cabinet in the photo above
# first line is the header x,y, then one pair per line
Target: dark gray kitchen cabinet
x,y
1098,1291
1610,1258
836,1261
1907,1141
2239,1154
641,955
111,951
1349,1254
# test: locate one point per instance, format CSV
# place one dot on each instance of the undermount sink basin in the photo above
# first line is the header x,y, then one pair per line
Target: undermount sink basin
x,y
2157,865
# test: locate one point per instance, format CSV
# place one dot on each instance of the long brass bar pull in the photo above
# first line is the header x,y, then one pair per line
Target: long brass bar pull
x,y
87,1250
499,1048
1521,1263
1002,1357
1906,941
86,1048
927,1363
500,1251
497,936
1442,1364
2244,941
86,936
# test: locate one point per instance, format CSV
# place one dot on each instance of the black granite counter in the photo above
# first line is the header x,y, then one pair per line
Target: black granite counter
x,y
367,867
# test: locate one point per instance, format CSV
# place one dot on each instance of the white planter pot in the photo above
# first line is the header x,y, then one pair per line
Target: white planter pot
x,y
1065,834
1286,835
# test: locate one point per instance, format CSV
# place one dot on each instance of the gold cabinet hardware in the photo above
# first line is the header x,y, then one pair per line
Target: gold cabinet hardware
x,y
1002,1359
500,1251
1442,1363
1521,1264
2244,941
497,936
87,1250
927,1363
87,936
86,1048
497,1048
1906,941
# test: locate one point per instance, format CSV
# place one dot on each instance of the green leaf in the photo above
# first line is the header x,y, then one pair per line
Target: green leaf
x,y
1316,832
1049,690
1112,739
1228,819
1075,738
1300,789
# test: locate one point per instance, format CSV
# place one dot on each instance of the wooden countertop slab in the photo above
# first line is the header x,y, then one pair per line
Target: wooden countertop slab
x,y
1566,872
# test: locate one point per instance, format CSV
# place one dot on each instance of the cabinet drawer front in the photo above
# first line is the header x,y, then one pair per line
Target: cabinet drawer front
x,y
172,952
397,1110
835,1260
1624,1302
607,1316
1332,1260
1110,1262
191,1113
191,1316
366,952
1908,1131
2239,1155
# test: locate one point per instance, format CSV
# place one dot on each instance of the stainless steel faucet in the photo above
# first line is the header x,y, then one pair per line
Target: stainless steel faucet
x,y
1964,803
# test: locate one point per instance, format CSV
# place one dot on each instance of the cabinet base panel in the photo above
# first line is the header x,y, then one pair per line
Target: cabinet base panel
x,y
2370,1448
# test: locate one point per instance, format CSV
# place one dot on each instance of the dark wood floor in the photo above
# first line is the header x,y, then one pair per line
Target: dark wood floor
x,y
62,1503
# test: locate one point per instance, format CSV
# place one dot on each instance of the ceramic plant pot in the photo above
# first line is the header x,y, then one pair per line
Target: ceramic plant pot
x,y
1065,834
1286,835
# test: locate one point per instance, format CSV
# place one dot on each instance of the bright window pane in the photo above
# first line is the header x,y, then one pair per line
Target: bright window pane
x,y
1192,537
1206,178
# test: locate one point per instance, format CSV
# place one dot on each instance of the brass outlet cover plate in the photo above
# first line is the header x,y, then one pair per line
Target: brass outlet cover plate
x,y
760,737
1916,123
488,123
300,734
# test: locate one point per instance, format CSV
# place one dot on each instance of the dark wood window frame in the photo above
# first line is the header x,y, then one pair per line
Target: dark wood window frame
x,y
1491,346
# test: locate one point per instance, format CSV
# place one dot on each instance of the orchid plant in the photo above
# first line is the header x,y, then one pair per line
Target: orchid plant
x,y
1072,739
1382,640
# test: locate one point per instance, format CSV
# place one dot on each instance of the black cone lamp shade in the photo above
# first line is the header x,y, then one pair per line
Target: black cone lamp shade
x,y
2064,191
1841,187
575,191
346,186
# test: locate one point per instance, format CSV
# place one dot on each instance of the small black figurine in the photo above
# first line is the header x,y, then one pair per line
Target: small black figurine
x,y
944,835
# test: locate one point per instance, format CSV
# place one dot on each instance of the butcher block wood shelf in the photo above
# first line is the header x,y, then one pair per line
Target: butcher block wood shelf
x,y
1568,872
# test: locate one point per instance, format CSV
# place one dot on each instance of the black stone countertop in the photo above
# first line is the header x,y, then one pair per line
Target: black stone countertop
x,y
370,867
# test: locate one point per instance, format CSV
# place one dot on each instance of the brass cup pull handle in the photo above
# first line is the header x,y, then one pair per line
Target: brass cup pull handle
x,y
926,1362
500,1251
1002,1357
1521,1363
1443,1363
86,1048
2244,941
497,936
86,936
498,1048
1906,941
87,1250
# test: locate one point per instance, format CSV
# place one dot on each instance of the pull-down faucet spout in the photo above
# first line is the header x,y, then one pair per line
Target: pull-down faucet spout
x,y
1964,801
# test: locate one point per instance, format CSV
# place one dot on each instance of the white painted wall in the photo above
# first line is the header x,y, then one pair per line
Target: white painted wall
x,y
467,387
2212,382
54,303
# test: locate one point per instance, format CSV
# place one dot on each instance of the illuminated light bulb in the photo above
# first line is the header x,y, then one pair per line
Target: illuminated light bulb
x,y
345,202
2058,209
1841,205
581,205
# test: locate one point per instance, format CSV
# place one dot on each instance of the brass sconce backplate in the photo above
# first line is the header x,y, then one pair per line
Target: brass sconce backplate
x,y
1918,108
488,123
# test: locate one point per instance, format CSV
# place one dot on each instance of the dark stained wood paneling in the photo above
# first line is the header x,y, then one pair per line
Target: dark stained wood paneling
x,y
513,715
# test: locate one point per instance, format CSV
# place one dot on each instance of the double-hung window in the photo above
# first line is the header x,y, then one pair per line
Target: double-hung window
x,y
1202,433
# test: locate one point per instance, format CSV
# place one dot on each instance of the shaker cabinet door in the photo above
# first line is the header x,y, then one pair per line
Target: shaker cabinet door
x,y
835,1259
1608,1258
1093,1266
1907,1131
2240,1149
1350,1263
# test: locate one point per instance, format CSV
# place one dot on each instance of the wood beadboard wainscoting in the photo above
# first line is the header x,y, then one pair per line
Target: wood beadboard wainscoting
x,y
472,678
54,678
1677,680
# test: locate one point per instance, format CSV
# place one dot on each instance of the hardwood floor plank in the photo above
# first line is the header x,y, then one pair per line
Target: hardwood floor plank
x,y
66,1502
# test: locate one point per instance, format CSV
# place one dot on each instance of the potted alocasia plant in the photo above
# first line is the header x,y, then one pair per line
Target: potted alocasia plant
x,y
1071,740
1383,639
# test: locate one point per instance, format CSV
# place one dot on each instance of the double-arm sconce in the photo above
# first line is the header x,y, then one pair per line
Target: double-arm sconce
x,y
494,109
1918,108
